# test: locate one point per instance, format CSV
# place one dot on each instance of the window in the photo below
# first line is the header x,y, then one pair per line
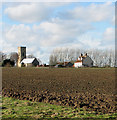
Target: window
x,y
23,54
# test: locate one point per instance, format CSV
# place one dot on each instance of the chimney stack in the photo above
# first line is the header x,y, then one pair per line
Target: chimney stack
x,y
86,54
81,55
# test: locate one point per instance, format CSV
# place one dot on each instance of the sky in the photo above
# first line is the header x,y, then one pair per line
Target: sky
x,y
44,26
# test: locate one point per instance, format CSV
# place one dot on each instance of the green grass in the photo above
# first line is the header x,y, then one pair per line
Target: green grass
x,y
23,109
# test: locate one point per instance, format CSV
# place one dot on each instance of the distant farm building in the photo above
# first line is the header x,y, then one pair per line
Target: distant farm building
x,y
26,62
68,64
29,62
64,64
58,66
83,61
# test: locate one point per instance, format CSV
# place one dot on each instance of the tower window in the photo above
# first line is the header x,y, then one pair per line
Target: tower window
x,y
23,54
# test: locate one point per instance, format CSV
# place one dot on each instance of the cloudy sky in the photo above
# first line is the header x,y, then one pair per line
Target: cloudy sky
x,y
41,27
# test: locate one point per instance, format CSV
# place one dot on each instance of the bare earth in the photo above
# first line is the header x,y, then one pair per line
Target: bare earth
x,y
88,88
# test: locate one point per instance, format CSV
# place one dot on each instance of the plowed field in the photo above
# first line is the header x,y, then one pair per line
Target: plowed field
x,y
87,88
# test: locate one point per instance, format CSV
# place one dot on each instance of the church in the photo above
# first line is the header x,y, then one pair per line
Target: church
x,y
26,62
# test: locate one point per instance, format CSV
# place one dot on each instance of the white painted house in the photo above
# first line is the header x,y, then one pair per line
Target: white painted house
x,y
83,61
78,64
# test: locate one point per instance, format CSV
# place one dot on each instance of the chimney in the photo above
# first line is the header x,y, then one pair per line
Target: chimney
x,y
81,55
86,55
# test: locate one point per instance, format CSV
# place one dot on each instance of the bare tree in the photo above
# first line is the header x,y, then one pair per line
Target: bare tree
x,y
101,58
2,56
30,56
52,60
14,56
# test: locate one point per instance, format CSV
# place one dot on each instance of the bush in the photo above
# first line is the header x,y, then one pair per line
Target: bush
x,y
8,63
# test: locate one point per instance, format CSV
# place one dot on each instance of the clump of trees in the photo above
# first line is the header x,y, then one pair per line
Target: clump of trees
x,y
8,63
2,56
101,58
8,60
14,56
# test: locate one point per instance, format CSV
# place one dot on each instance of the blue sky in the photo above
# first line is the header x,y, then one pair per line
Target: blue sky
x,y
41,27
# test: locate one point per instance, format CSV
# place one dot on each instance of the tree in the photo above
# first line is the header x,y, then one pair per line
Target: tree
x,y
101,58
2,56
14,56
30,56
52,60
8,63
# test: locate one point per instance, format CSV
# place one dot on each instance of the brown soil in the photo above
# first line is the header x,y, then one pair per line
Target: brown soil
x,y
90,89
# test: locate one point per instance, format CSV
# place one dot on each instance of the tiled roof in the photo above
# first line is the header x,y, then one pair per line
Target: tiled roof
x,y
78,61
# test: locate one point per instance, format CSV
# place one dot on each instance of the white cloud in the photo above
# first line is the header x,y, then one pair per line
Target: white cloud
x,y
21,35
1,10
36,12
41,39
70,30
109,35
61,32
30,12
91,13
89,42
18,35
58,1
7,47
47,33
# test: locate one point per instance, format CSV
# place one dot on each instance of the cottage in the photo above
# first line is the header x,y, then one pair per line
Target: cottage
x,y
29,62
78,63
83,61
87,62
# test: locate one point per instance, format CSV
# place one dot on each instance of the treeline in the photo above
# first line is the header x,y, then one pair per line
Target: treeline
x,y
101,58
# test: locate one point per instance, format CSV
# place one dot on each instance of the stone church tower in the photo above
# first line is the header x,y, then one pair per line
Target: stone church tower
x,y
21,55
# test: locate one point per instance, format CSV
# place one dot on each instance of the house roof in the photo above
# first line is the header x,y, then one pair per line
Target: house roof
x,y
27,60
78,61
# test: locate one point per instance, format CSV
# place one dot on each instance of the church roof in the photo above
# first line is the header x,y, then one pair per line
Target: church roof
x,y
27,60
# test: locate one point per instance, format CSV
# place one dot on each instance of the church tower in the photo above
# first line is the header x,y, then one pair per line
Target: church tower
x,y
21,55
